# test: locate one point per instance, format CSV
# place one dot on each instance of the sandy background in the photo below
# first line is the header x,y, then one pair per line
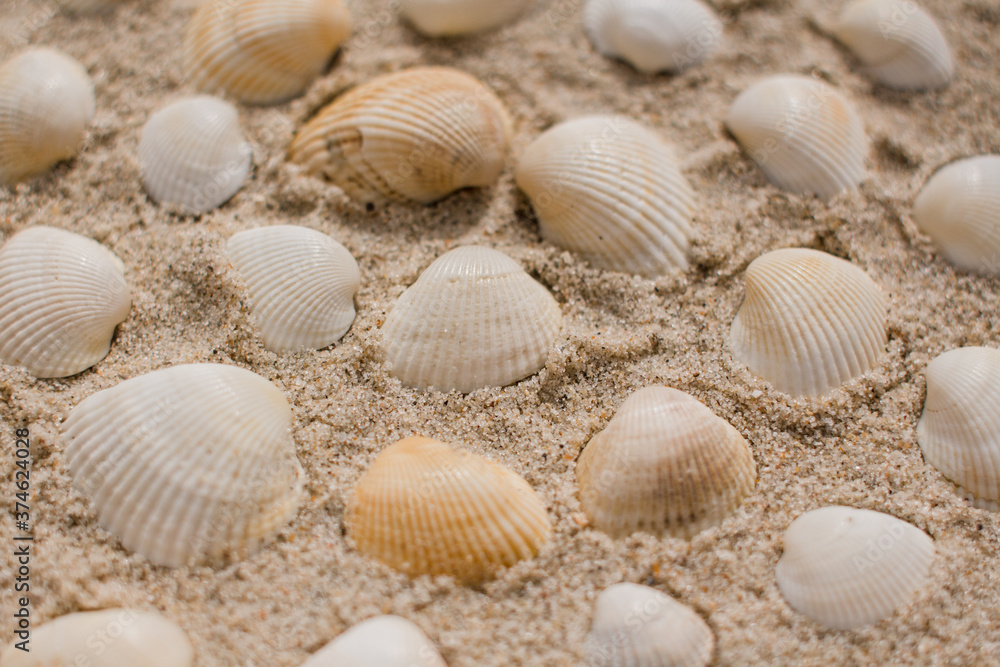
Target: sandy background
x,y
854,447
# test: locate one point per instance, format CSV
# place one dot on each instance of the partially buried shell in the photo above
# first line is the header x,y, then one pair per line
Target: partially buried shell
x,y
383,641
413,136
444,18
189,464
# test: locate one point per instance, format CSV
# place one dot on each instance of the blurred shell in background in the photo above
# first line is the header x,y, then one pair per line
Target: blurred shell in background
x,y
382,641
445,18
89,6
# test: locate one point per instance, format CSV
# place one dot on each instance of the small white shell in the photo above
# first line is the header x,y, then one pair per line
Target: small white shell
x,y
383,641
302,284
845,568
443,18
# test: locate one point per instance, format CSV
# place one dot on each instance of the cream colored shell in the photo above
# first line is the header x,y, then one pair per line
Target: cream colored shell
x,y
382,641
445,18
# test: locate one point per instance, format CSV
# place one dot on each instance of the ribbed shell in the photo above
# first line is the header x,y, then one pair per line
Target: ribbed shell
x,y
845,568
189,464
473,319
46,105
809,321
444,18
63,295
611,191
302,284
804,135
426,508
664,464
415,135
382,641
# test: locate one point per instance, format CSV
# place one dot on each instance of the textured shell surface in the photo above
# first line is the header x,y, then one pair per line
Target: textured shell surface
x,y
424,507
63,295
610,190
473,319
188,464
382,641
845,568
444,18
413,136
46,104
809,321
302,284
802,133
665,464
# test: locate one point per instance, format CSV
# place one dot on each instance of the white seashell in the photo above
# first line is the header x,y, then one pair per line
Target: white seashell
x,y
653,35
473,319
302,284
445,18
193,154
415,135
610,190
809,321
383,641
63,295
802,133
89,6
46,104
845,568
189,464
638,626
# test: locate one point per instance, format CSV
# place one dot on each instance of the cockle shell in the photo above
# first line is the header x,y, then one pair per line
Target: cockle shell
x,y
809,321
610,190
188,464
845,568
473,319
804,135
383,641
63,295
415,135
664,464
262,51
46,105
302,284
445,18
426,508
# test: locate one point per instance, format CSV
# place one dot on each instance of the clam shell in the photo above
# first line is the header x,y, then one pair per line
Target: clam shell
x,y
426,508
809,321
382,641
443,18
845,568
189,464
664,464
473,319
804,135
611,191
302,284
63,295
416,135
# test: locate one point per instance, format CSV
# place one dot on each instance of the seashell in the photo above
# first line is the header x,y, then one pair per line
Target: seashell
x,y
959,430
382,641
89,6
653,35
899,44
845,568
46,104
302,284
959,208
611,191
193,154
262,51
63,295
664,464
189,464
447,18
473,319
638,626
809,321
416,135
802,133
426,508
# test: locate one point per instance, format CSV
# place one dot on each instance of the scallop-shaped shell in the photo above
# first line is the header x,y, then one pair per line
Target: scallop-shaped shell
x,y
383,641
426,508
416,135
63,295
664,464
809,321
302,284
610,190
473,319
653,35
802,133
638,626
46,105
262,51
189,464
444,18
845,568
89,6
